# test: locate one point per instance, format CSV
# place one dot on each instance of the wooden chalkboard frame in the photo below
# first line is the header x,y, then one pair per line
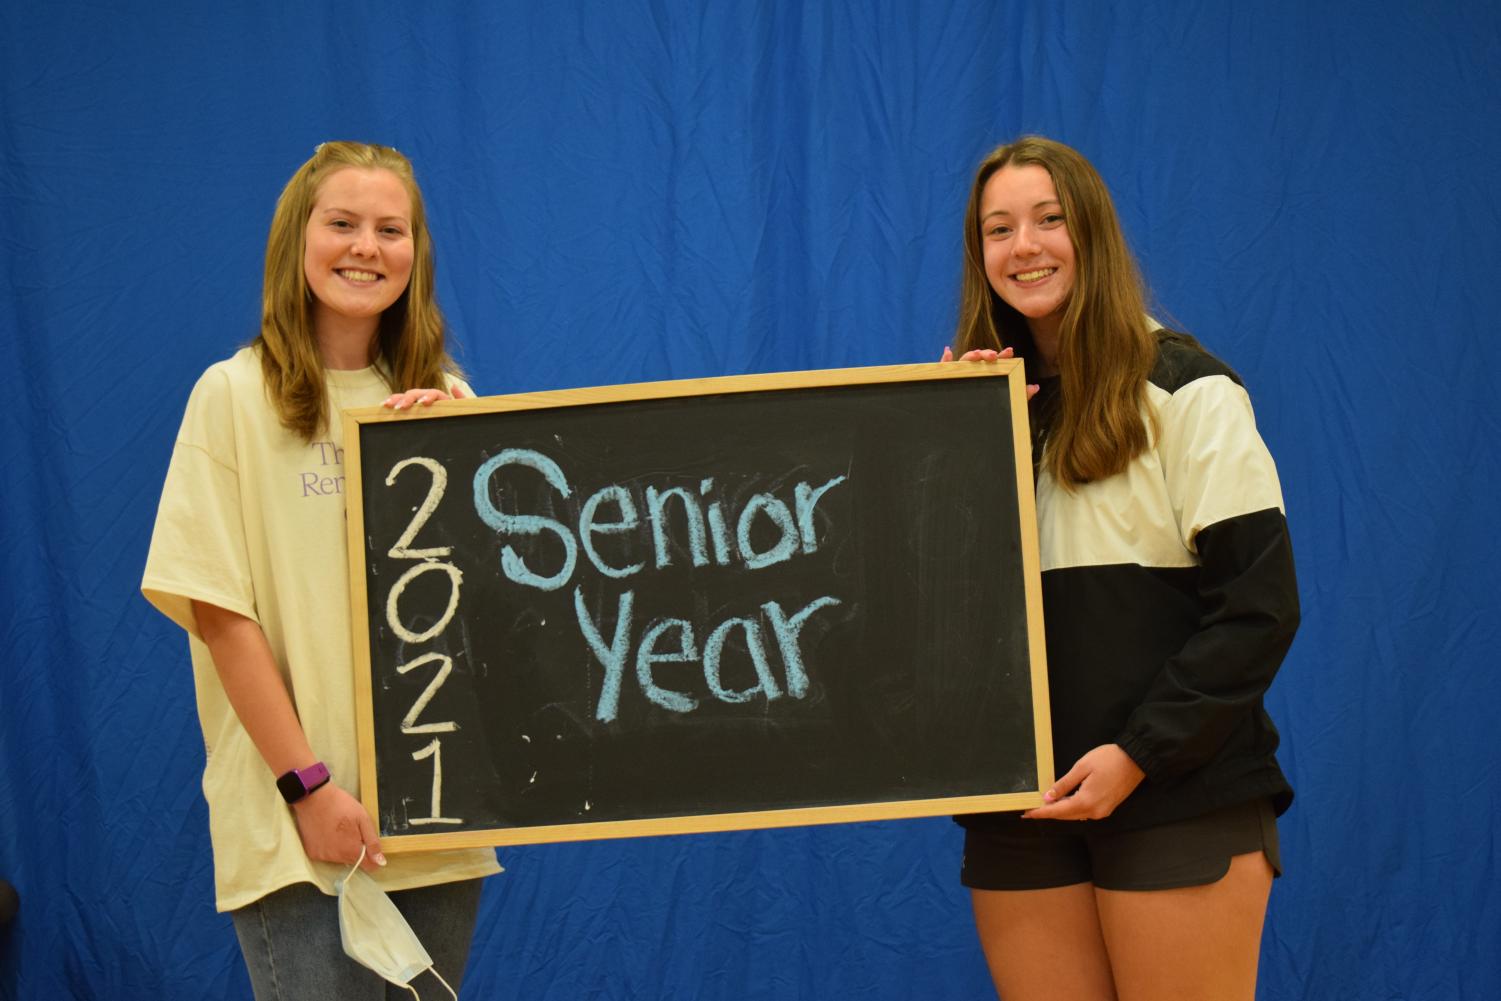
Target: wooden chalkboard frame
x,y
1009,369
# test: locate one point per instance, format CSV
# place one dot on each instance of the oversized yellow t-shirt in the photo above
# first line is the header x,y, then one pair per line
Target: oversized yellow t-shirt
x,y
252,520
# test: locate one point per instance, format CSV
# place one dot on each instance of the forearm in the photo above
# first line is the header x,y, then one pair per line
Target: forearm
x,y
331,823
253,683
1250,597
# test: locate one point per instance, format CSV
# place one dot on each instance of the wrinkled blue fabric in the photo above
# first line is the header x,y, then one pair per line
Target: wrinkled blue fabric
x,y
646,190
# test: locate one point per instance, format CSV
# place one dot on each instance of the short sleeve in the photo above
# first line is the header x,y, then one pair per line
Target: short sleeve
x,y
198,549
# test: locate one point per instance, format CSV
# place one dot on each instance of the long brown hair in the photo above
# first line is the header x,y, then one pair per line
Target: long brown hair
x,y
409,346
1105,345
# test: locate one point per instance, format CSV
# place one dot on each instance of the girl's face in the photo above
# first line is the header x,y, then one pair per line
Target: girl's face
x,y
359,252
1029,258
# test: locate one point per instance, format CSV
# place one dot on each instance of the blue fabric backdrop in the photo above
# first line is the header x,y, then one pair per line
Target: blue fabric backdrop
x,y
651,190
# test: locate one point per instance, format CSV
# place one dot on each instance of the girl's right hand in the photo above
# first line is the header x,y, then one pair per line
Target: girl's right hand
x,y
979,354
333,826
986,354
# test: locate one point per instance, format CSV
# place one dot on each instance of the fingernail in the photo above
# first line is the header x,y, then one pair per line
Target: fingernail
x,y
379,859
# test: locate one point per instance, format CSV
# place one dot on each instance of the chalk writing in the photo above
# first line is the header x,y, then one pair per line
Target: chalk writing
x,y
677,519
434,750
393,600
796,532
409,722
403,549
653,650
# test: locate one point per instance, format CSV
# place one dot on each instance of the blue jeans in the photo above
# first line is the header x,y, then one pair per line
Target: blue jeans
x,y
290,940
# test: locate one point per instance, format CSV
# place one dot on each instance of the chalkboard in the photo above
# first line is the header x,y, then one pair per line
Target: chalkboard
x,y
703,605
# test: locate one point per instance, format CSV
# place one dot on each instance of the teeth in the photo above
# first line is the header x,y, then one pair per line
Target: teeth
x,y
359,276
1032,276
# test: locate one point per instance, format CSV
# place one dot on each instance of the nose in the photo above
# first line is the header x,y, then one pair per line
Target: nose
x,y
364,242
1025,243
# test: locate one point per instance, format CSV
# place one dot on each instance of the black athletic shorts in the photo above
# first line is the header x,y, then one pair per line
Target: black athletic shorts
x,y
1027,855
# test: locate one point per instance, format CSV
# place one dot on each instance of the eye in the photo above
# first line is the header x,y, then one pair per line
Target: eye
x,y
998,231
1053,219
393,231
339,223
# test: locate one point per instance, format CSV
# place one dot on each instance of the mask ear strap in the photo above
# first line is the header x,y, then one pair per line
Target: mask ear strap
x,y
434,971
357,863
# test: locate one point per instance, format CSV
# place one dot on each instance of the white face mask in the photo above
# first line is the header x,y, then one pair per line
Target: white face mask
x,y
375,934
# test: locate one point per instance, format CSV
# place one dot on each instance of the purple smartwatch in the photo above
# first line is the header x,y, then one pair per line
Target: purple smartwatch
x,y
297,783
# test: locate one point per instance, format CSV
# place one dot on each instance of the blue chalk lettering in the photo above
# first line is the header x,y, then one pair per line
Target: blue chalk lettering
x,y
778,513
714,647
525,524
787,631
718,534
611,657
807,498
646,656
656,506
588,527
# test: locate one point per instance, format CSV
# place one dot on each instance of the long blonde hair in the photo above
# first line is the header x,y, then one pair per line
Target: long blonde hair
x,y
1105,346
409,346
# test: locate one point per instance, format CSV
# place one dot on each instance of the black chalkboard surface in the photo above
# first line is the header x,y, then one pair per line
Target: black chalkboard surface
x,y
704,605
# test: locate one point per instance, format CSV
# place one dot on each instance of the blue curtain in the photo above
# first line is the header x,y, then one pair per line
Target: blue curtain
x,y
651,190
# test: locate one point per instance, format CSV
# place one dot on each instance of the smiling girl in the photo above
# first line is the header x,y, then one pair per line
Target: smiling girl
x,y
1169,599
249,556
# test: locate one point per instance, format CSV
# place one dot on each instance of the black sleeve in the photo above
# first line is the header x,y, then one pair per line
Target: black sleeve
x,y
1249,595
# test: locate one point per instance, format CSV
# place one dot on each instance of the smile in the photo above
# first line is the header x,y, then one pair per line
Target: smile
x,y
1032,276
357,276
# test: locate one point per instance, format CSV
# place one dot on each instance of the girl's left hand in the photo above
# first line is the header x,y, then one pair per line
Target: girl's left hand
x,y
1093,788
422,397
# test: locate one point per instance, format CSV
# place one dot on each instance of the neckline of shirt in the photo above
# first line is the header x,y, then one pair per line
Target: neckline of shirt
x,y
354,378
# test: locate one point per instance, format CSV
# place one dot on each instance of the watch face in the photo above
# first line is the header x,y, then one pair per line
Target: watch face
x,y
290,786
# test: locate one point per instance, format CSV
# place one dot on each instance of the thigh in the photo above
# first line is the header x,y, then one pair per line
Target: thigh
x,y
1042,945
1191,942
1035,910
293,951
443,918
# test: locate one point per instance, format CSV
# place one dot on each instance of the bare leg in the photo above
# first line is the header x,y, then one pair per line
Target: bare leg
x,y
1198,943
1043,945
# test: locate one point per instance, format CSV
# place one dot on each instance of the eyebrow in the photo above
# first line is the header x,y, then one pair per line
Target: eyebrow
x,y
1045,201
385,218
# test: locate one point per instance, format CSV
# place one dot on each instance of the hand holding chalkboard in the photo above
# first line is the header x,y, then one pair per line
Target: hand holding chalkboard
x,y
697,606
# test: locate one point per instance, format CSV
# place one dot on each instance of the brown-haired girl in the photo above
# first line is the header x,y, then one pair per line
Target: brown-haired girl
x,y
249,556
1169,599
